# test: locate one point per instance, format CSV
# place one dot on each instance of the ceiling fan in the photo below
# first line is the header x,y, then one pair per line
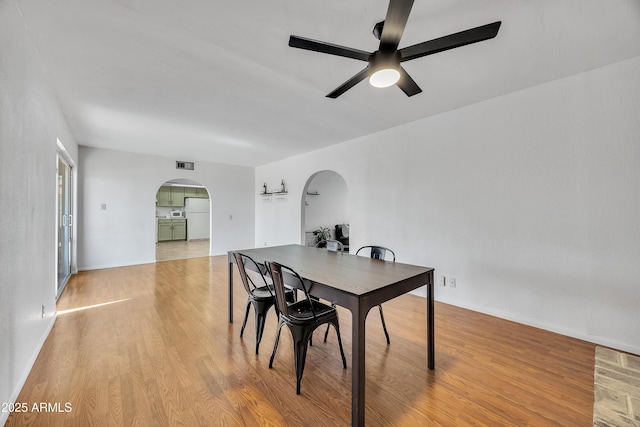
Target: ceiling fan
x,y
383,68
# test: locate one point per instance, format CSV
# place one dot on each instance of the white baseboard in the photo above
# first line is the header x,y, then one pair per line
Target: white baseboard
x,y
626,347
552,328
103,266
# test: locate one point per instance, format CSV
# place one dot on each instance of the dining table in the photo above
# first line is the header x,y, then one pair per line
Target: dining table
x,y
355,282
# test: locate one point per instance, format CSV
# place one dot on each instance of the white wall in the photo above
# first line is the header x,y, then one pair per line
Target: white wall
x,y
529,200
124,233
30,123
331,206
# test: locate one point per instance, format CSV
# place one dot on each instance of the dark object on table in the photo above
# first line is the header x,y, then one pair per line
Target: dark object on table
x,y
342,235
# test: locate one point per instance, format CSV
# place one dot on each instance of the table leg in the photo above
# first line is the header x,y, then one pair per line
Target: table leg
x,y
230,292
357,366
431,346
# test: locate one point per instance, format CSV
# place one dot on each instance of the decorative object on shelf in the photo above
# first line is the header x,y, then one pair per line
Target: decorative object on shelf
x,y
310,193
265,192
283,189
322,233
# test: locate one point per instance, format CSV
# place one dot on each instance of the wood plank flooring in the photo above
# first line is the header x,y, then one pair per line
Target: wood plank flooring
x,y
150,345
181,249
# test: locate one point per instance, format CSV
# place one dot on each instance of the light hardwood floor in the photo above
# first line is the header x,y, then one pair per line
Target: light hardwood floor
x,y
181,249
150,345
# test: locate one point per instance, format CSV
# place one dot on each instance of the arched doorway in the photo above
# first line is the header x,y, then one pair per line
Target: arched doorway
x,y
183,220
325,205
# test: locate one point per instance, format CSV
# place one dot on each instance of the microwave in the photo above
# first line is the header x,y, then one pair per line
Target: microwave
x,y
177,214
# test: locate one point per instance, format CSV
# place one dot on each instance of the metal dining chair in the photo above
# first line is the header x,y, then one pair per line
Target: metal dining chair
x,y
377,252
301,317
261,296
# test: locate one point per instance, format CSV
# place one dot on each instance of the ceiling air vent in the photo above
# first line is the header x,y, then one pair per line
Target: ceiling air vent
x,y
184,165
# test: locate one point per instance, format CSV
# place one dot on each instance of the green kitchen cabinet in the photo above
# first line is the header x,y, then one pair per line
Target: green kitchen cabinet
x,y
196,192
190,192
179,229
177,196
165,231
172,229
163,197
170,196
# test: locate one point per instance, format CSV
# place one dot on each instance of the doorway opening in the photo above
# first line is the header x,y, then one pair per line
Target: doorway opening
x,y
325,205
183,220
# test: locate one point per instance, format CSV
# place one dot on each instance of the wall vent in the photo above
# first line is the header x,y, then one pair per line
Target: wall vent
x,y
184,165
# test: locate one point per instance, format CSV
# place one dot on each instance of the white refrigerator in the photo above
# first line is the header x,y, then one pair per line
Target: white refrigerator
x,y
198,218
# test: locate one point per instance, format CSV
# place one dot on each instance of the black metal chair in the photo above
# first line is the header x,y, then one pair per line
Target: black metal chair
x,y
380,252
301,317
377,252
261,296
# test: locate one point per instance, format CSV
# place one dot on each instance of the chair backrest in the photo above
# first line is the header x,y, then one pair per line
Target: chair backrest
x,y
249,284
277,272
331,245
378,252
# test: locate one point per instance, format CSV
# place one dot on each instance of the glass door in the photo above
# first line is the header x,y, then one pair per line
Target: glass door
x,y
65,223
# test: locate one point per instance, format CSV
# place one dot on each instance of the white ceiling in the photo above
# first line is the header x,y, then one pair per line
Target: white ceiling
x,y
216,81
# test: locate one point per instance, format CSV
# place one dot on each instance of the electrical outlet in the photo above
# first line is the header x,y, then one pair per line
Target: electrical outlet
x,y
442,281
452,282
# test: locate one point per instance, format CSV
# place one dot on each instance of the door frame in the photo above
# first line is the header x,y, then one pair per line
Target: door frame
x,y
63,155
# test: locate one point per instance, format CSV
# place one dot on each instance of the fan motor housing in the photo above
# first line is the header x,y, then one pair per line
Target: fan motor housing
x,y
377,29
380,59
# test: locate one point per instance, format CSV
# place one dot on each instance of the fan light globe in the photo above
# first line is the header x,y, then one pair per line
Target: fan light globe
x,y
385,77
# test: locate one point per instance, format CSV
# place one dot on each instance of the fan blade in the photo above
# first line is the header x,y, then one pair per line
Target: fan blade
x,y
451,41
407,84
349,83
394,24
331,49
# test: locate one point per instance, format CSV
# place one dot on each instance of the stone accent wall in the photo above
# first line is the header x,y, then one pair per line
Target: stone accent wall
x,y
616,389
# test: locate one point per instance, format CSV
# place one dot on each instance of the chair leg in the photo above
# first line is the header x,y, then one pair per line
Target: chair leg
x,y
326,333
301,356
384,325
301,337
246,316
261,308
275,345
344,359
